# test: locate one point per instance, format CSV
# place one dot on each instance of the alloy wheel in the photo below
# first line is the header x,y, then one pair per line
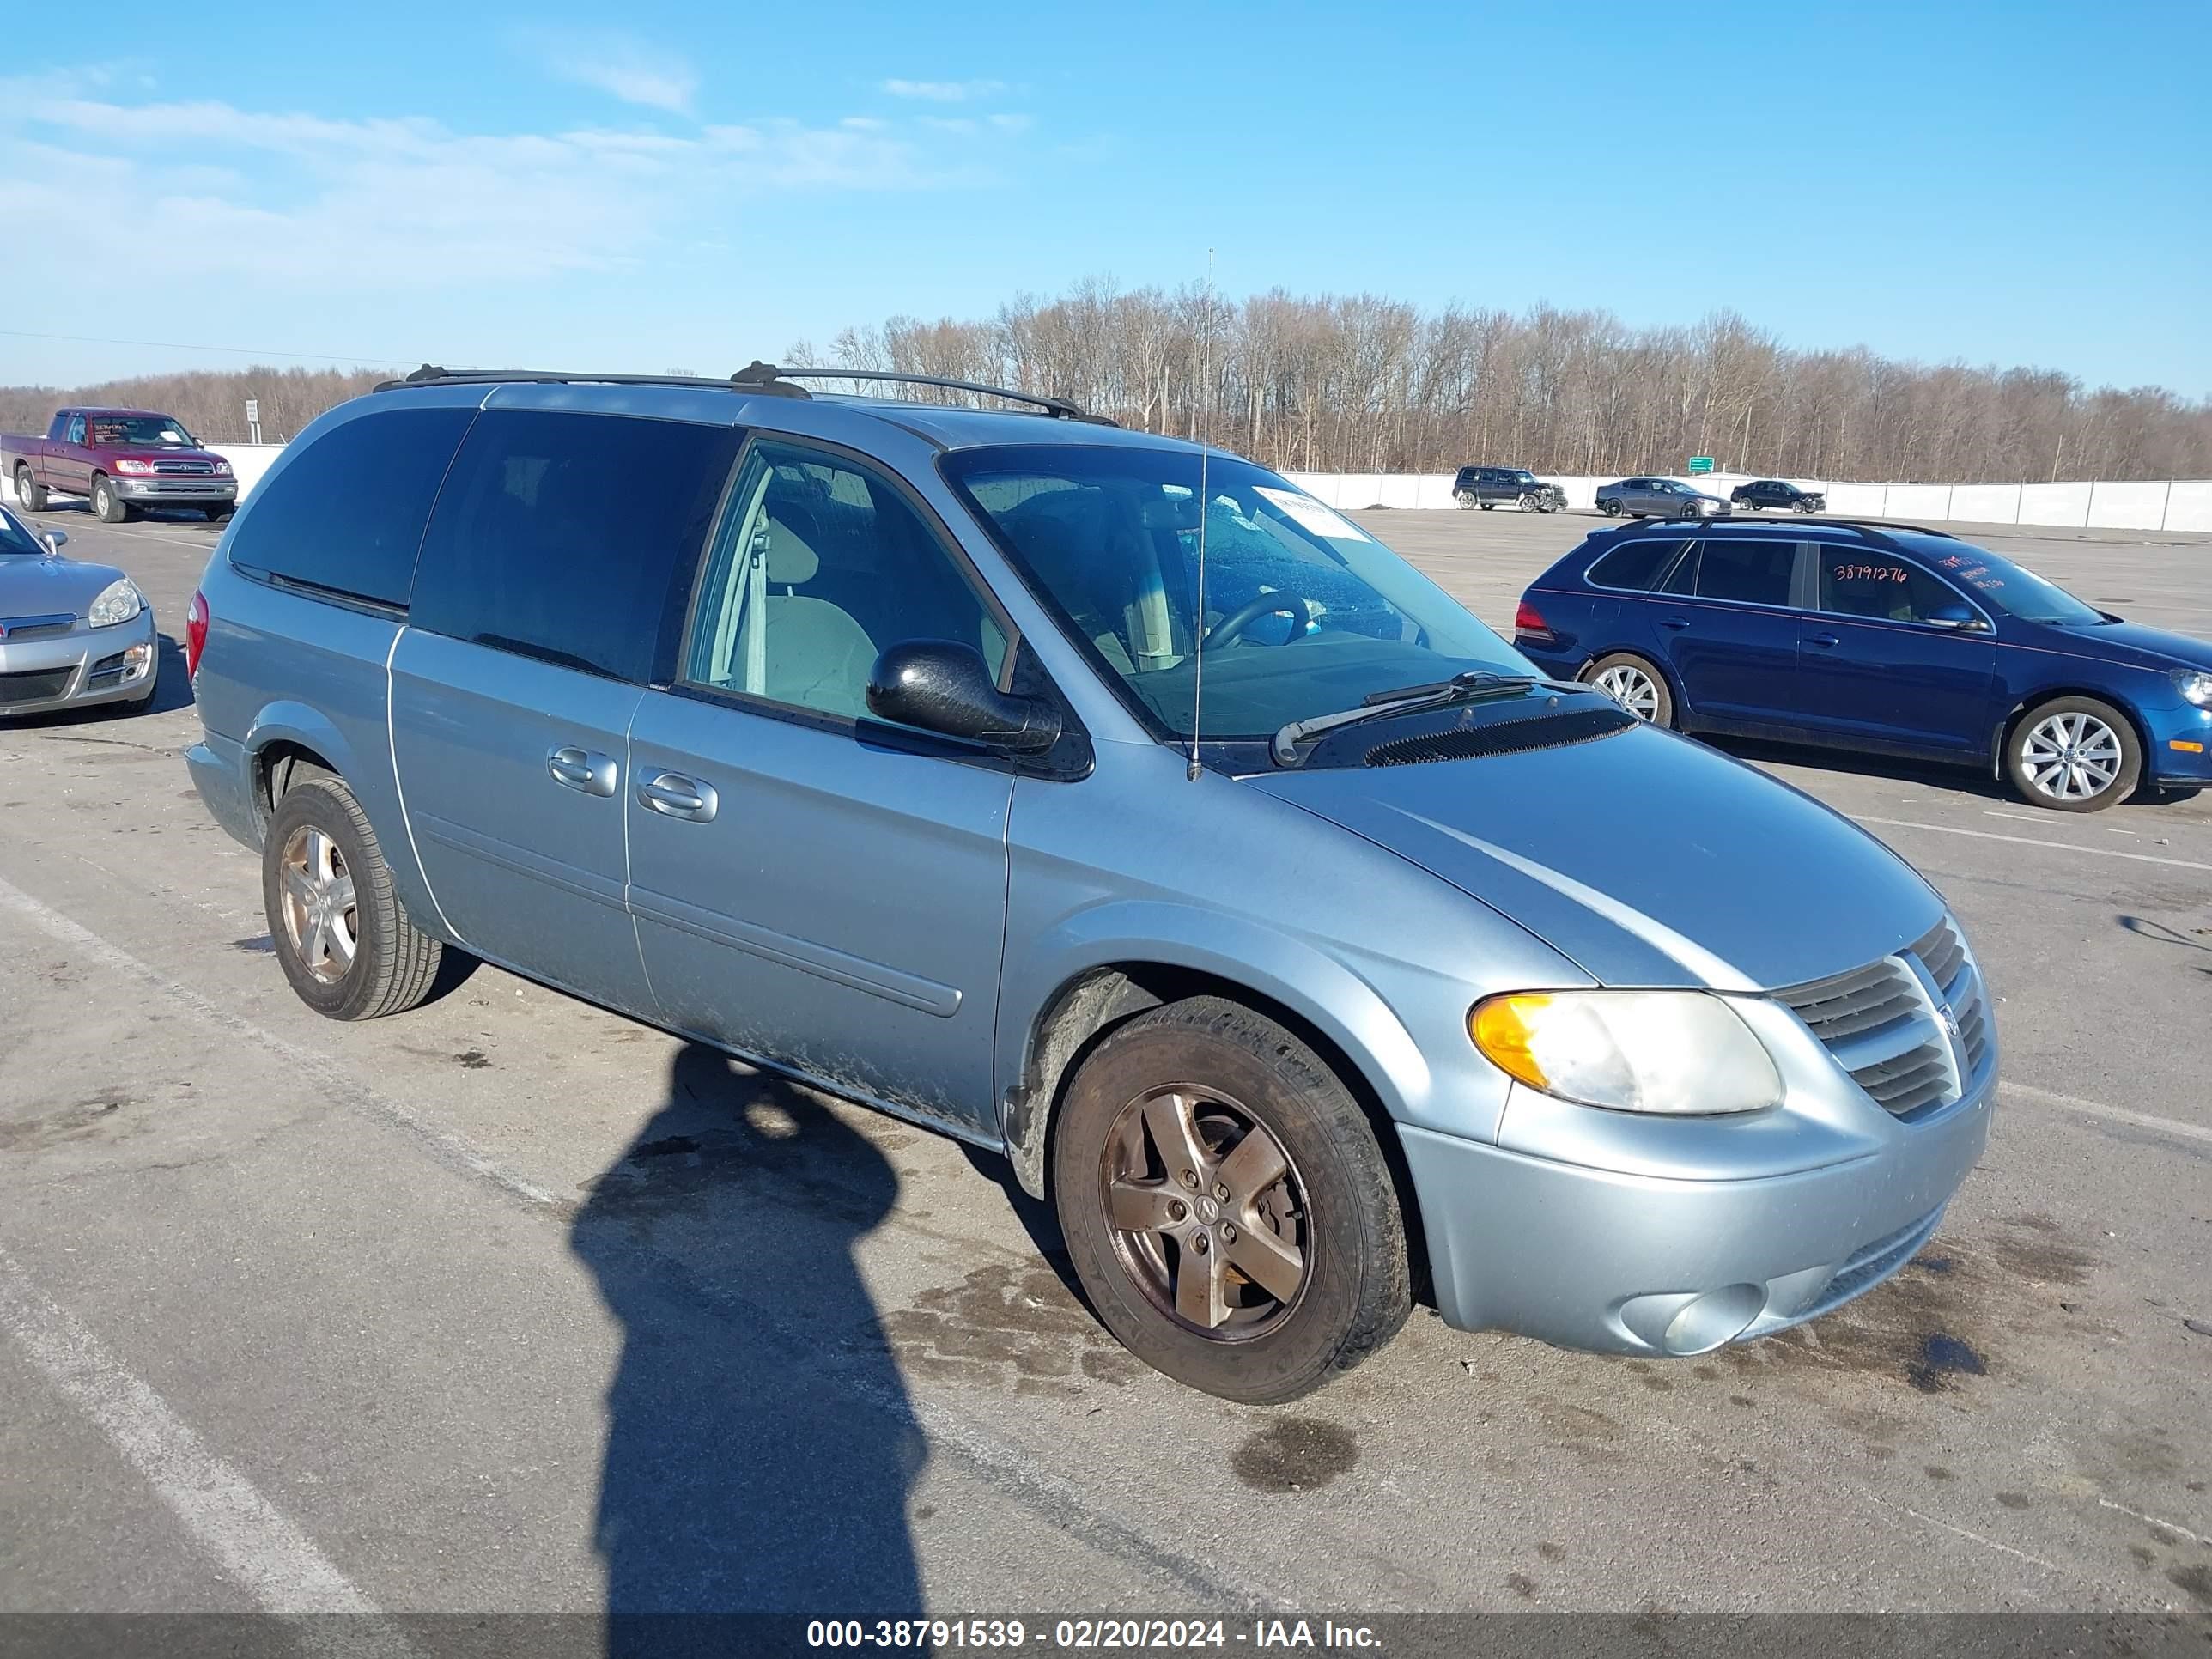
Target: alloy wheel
x,y
1207,1212
2072,757
1631,688
321,922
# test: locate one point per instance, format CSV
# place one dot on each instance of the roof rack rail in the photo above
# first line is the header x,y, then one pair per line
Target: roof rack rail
x,y
765,379
766,376
1877,526
431,374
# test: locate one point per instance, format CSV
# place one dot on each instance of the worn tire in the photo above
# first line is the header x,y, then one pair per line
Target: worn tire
x,y
107,506
2125,779
1357,1291
395,963
30,494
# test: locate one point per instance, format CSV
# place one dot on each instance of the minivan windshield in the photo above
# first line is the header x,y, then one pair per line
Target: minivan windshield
x,y
2000,584
1305,611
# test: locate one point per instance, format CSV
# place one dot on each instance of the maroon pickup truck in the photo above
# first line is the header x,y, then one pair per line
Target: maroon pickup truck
x,y
120,459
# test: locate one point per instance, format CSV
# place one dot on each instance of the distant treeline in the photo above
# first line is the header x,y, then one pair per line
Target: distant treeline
x,y
1360,384
212,402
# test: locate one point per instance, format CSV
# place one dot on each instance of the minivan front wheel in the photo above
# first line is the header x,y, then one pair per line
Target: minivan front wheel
x,y
347,947
2074,755
1225,1203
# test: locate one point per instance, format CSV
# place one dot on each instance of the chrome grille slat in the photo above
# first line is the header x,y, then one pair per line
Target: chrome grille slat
x,y
1882,1025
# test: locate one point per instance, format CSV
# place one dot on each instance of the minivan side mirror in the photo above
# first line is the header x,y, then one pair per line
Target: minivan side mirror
x,y
1962,617
941,686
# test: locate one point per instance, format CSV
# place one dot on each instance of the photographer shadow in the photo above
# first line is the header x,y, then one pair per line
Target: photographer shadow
x,y
759,1447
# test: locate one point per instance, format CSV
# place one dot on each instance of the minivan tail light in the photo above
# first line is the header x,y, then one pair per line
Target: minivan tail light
x,y
196,628
1529,623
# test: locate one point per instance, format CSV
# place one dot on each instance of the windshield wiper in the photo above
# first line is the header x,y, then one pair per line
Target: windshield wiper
x,y
1403,699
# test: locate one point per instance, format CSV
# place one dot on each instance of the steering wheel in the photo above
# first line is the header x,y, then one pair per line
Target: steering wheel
x,y
1232,626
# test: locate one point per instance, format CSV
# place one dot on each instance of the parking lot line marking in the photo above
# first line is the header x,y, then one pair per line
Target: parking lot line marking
x,y
1964,1532
254,1543
2171,1526
2032,840
2167,1126
447,1147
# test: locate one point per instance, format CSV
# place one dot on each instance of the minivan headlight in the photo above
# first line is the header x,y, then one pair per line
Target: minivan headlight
x,y
1679,1052
2196,686
118,602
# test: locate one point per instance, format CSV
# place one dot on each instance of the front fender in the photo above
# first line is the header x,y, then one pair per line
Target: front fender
x,y
1275,963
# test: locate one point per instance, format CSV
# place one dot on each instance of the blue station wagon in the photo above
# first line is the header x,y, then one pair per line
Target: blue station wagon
x,y
1111,805
1882,639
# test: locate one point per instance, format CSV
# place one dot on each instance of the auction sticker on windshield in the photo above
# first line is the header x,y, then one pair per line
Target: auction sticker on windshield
x,y
1309,514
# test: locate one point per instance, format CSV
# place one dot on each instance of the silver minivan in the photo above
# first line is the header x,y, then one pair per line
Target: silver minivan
x,y
1109,803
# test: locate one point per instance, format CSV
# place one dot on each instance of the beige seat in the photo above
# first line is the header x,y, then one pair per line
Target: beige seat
x,y
815,654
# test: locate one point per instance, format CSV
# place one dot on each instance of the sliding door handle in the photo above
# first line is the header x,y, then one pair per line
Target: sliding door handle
x,y
675,796
581,769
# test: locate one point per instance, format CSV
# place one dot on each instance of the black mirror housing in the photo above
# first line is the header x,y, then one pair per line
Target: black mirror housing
x,y
941,686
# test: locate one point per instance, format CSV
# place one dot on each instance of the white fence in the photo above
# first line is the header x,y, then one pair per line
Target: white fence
x,y
2181,504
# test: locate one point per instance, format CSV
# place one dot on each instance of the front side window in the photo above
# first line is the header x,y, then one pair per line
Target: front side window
x,y
821,564
1997,582
344,513
1750,572
570,537
1304,612
1857,581
16,541
76,433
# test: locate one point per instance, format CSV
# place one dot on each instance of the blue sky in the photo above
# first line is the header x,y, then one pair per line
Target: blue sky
x,y
660,186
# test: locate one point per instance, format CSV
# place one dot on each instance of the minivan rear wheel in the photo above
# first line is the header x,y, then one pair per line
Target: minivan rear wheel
x,y
346,946
1226,1206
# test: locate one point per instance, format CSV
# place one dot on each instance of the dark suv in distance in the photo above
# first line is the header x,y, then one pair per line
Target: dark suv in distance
x,y
1879,638
1486,486
1775,492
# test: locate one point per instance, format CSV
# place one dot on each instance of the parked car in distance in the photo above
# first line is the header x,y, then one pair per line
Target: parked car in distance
x,y
119,460
1773,492
1657,498
879,759
1486,486
1884,640
71,635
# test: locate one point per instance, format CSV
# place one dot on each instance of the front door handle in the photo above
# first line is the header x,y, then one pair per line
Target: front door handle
x,y
1822,639
581,769
675,796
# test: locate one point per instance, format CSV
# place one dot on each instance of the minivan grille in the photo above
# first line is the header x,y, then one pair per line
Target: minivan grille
x,y
1885,1024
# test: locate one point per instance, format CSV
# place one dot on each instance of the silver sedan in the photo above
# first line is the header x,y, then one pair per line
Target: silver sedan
x,y
71,634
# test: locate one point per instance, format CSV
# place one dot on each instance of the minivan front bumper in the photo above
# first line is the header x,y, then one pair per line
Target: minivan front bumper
x,y
1594,1259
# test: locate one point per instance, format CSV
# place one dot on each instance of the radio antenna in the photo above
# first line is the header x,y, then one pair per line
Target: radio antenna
x,y
1204,448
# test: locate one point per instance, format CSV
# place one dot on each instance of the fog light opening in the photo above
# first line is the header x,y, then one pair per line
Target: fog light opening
x,y
137,660
1714,1320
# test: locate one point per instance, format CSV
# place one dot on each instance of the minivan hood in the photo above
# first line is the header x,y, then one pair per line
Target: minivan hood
x,y
1645,858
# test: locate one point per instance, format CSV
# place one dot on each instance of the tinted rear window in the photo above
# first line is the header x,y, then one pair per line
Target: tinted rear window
x,y
573,537
1636,567
1757,573
346,514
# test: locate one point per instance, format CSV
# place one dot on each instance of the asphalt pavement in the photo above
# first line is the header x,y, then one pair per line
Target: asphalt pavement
x,y
511,1304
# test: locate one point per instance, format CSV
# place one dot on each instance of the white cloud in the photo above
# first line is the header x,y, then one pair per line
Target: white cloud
x,y
945,92
356,207
616,63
